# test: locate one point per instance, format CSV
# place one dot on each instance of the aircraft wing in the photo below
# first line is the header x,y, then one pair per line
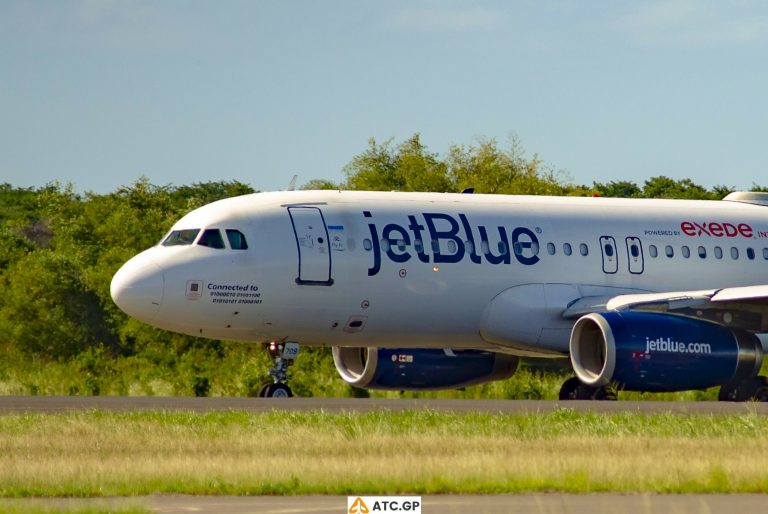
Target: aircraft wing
x,y
743,307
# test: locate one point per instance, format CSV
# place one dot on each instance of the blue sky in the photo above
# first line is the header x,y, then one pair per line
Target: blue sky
x,y
99,93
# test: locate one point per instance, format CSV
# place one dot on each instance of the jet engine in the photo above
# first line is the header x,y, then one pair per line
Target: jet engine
x,y
649,351
420,369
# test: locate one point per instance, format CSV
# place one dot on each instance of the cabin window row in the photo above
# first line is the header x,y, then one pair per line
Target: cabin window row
x,y
501,248
702,252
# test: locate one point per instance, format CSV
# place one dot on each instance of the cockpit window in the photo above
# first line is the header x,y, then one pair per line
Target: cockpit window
x,y
181,237
236,239
211,237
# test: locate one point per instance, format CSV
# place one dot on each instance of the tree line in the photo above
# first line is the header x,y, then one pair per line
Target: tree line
x,y
59,250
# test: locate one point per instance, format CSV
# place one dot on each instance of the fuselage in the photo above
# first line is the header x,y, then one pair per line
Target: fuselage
x,y
421,269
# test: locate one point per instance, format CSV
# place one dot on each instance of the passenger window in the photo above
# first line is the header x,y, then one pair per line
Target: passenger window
x,y
702,252
452,247
669,251
734,252
181,237
418,245
212,238
368,244
502,248
469,246
567,248
765,254
718,252
750,254
583,249
551,249
653,251
686,251
236,240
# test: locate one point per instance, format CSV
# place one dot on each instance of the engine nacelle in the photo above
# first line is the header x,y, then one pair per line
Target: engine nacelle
x,y
420,369
648,351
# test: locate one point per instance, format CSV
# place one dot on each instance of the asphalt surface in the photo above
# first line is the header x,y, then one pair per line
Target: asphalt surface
x,y
438,504
53,404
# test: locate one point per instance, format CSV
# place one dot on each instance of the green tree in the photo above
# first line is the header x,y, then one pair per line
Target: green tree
x,y
618,189
409,167
320,183
46,309
665,187
488,169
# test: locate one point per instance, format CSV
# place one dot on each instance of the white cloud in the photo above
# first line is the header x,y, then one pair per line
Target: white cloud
x,y
693,23
440,19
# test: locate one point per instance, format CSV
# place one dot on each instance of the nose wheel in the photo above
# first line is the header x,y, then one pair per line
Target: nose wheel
x,y
283,355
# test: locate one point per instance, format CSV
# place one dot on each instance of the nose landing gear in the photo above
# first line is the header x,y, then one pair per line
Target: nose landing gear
x,y
283,355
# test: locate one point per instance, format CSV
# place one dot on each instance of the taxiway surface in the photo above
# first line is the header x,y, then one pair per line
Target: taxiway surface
x,y
438,504
51,404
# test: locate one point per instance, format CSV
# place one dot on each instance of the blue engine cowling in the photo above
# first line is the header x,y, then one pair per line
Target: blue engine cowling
x,y
420,369
648,351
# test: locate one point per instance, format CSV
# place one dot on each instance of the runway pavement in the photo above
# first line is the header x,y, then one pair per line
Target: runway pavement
x,y
437,504
52,404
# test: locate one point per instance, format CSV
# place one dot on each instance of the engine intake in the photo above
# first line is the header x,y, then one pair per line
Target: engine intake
x,y
420,369
649,351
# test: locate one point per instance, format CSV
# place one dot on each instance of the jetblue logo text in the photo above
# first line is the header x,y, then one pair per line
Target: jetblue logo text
x,y
670,346
433,237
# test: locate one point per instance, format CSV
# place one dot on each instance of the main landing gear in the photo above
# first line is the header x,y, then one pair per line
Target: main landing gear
x,y
753,389
283,355
575,389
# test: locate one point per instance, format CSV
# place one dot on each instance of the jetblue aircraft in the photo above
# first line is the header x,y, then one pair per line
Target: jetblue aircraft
x,y
427,291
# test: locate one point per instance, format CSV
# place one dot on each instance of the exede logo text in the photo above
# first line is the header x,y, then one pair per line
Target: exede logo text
x,y
714,229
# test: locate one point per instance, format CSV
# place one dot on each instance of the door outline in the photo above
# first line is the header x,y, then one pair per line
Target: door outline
x,y
610,262
316,250
636,263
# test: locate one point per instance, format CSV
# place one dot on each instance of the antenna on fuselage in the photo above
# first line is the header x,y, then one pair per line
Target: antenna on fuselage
x,y
292,184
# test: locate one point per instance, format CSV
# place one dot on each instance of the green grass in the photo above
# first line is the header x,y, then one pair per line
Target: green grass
x,y
240,370
26,508
422,452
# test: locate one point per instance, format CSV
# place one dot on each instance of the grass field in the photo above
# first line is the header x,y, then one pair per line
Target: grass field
x,y
424,452
21,508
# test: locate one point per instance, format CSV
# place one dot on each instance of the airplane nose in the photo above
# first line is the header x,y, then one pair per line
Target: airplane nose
x,y
137,287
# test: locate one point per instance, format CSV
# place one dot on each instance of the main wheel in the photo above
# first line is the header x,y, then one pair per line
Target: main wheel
x,y
569,388
754,389
277,391
757,390
575,389
606,393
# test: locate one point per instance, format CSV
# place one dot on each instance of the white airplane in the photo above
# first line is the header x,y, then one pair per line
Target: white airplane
x,y
426,291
